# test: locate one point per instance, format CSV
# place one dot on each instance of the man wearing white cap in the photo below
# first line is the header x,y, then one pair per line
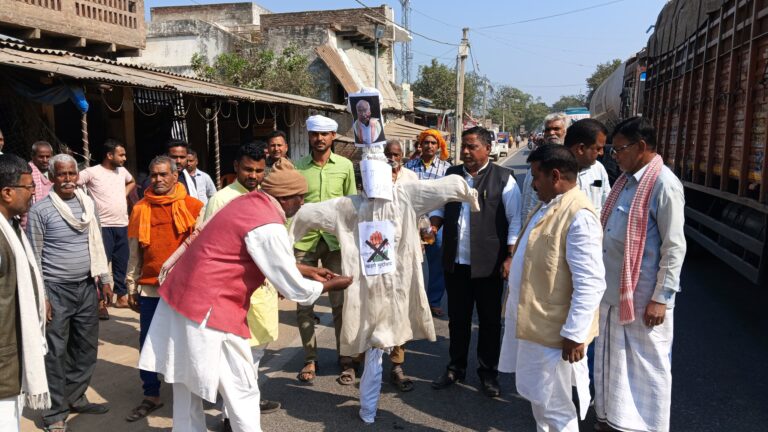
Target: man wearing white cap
x,y
328,176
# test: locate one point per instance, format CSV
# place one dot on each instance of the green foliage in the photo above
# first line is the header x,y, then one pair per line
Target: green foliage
x,y
601,73
437,82
578,100
260,69
534,116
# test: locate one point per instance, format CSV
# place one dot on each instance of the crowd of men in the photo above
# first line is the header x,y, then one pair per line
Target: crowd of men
x,y
591,273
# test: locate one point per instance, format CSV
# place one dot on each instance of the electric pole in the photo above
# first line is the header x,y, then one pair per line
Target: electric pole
x,y
463,52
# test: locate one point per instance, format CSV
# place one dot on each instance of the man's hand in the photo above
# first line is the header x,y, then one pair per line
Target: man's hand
x,y
338,283
654,314
319,274
572,351
48,311
505,267
106,291
133,302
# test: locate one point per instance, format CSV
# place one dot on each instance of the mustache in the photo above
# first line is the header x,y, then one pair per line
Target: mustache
x,y
69,184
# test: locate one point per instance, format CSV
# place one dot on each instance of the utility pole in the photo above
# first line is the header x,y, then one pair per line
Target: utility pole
x,y
463,52
378,32
503,117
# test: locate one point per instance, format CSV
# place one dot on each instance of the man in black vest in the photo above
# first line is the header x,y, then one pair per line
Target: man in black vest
x,y
476,258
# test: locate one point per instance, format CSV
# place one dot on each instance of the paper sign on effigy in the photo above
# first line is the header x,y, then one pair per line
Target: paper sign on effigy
x,y
377,247
377,179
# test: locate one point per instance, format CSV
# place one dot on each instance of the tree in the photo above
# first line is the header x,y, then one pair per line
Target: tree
x,y
534,115
564,102
508,107
437,82
260,69
601,74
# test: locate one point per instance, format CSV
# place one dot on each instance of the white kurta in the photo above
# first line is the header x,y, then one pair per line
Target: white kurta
x,y
542,376
594,182
385,310
189,353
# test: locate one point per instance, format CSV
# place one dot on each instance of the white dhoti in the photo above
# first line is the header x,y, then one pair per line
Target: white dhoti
x,y
546,380
370,385
200,362
509,343
10,413
633,372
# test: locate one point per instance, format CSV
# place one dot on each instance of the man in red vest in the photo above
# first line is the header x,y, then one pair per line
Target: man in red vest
x,y
159,224
199,335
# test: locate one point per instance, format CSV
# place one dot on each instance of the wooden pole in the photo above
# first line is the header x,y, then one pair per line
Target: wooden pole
x,y
84,130
459,127
217,149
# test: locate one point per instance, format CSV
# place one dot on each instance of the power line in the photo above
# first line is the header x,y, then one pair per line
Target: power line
x,y
434,19
552,16
411,31
545,58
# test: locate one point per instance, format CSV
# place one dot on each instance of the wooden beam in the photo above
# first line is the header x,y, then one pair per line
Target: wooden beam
x,y
746,144
708,172
734,81
129,128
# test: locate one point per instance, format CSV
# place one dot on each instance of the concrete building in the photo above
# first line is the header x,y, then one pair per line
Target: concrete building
x,y
108,28
340,44
176,33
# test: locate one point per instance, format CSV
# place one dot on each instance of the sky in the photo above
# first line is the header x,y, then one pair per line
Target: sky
x,y
546,58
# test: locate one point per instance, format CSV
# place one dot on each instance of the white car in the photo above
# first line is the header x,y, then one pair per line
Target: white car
x,y
503,152
494,151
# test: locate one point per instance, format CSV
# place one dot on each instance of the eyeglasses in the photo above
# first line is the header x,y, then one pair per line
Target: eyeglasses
x,y
29,187
616,150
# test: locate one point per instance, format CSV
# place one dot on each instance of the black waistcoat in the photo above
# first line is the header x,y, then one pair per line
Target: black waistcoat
x,y
488,228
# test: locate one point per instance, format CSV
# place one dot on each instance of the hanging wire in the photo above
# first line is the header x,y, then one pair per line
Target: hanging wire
x,y
106,104
189,107
263,117
138,106
285,113
215,114
228,114
247,117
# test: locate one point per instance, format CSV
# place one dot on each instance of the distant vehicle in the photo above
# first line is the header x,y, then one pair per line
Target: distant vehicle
x,y
502,139
703,88
575,114
494,147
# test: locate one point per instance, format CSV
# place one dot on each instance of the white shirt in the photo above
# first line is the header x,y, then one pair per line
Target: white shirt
x,y
583,253
594,182
270,249
204,185
510,198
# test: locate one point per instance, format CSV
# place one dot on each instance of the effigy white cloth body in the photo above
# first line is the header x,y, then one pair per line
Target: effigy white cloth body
x,y
385,310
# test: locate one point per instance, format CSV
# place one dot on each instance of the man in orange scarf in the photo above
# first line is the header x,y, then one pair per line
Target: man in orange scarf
x,y
159,224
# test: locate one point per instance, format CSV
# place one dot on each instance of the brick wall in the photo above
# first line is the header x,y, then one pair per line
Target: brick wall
x,y
225,14
342,17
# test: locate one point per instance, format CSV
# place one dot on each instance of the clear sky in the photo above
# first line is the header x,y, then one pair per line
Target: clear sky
x,y
546,58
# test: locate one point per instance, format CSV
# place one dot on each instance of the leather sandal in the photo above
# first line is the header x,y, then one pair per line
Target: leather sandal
x,y
307,375
398,378
145,408
347,377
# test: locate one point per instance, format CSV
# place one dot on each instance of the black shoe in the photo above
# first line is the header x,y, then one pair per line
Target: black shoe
x,y
446,379
225,426
267,406
490,386
90,408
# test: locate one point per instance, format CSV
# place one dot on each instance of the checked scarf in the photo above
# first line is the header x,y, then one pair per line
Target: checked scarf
x,y
637,225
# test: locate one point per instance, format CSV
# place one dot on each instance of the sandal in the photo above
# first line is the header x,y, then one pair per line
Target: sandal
x,y
307,375
144,409
347,376
398,378
57,428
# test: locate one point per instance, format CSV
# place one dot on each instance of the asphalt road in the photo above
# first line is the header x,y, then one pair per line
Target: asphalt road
x,y
720,382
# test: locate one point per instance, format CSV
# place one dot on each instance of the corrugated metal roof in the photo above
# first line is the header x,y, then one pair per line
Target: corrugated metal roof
x,y
402,129
86,68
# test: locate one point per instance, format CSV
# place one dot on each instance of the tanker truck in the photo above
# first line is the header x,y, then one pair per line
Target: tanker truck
x,y
703,81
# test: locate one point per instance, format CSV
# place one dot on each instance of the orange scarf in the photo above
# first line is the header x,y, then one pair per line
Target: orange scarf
x,y
183,220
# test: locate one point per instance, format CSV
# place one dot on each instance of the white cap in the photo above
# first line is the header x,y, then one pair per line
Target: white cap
x,y
318,123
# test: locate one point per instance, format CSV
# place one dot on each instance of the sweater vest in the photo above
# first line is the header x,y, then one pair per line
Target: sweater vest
x,y
547,284
488,228
217,274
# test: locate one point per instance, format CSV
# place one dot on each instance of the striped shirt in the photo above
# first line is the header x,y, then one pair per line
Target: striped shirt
x,y
435,170
61,251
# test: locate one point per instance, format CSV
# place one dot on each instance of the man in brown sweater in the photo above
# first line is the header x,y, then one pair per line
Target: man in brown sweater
x,y
22,368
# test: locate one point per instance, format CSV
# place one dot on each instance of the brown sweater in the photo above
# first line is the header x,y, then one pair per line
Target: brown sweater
x,y
10,325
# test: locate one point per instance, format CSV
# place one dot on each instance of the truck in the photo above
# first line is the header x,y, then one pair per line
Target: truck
x,y
702,79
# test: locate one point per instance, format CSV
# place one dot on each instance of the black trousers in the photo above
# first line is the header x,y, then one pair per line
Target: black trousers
x,y
464,294
116,248
73,338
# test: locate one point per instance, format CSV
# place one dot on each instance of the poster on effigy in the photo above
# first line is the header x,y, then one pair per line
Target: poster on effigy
x,y
377,247
377,179
368,123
